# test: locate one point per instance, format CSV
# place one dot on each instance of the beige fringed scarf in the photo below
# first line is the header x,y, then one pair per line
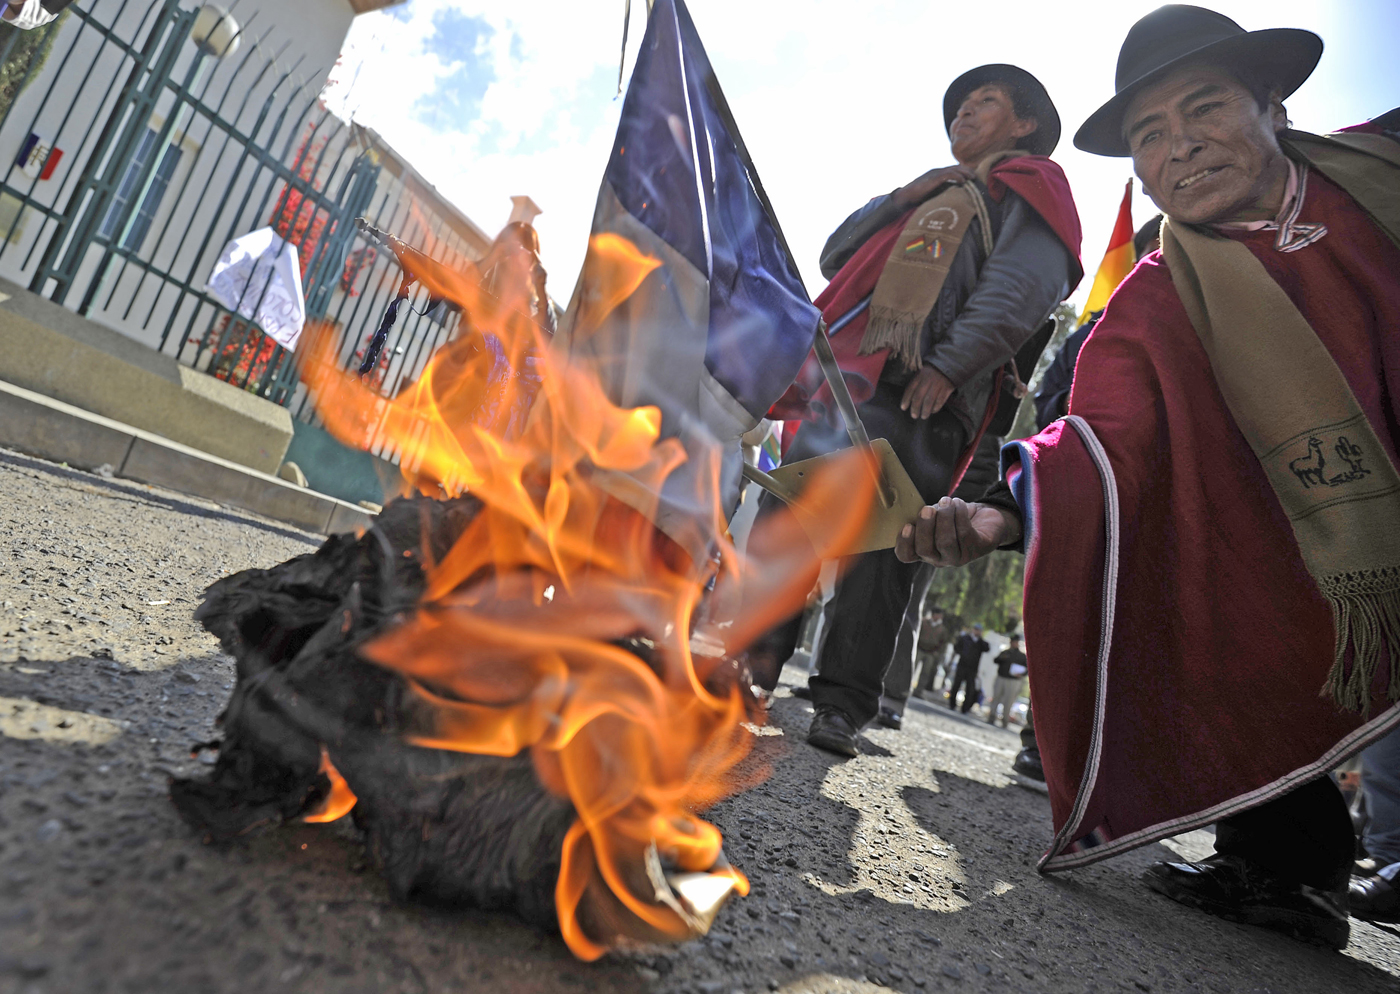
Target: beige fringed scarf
x,y
918,265
1320,453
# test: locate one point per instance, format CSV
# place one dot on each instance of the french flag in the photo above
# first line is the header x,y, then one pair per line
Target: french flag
x,y
717,331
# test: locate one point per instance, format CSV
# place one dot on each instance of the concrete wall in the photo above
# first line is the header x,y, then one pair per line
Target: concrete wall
x,y
47,428
50,350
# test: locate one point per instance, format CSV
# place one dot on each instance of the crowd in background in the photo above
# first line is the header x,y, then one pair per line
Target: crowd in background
x,y
954,663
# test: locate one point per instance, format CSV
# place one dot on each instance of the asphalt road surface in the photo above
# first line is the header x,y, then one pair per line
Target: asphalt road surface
x,y
909,868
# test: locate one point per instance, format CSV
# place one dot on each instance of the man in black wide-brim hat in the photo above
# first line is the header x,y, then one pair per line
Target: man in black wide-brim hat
x,y
1223,494
935,289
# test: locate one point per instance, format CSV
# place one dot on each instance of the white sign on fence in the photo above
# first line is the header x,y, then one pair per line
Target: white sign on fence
x,y
260,271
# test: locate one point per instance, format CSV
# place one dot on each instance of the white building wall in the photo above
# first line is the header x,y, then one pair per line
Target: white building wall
x,y
286,49
238,126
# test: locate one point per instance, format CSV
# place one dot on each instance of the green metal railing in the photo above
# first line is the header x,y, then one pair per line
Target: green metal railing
x,y
168,151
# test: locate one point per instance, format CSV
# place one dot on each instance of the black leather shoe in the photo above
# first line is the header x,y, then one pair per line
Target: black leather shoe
x,y
803,691
833,731
890,718
1028,771
1027,763
1374,899
1240,891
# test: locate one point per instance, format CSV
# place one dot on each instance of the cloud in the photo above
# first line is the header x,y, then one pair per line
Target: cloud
x,y
506,100
458,42
459,38
836,102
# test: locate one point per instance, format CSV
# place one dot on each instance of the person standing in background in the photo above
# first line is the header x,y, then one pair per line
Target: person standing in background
x,y
936,288
969,649
934,637
1011,673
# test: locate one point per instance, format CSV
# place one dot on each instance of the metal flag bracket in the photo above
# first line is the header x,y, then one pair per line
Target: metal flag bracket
x,y
897,499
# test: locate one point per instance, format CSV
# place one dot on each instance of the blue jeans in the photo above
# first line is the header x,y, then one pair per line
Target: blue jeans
x,y
1380,780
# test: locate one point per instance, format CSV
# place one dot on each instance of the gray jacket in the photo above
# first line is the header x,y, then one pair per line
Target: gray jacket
x,y
989,306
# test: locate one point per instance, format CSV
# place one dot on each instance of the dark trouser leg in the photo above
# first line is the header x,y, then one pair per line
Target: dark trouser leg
x,y
770,650
964,679
929,674
859,647
1305,836
828,613
1028,733
768,653
870,599
1380,788
1028,763
970,694
900,674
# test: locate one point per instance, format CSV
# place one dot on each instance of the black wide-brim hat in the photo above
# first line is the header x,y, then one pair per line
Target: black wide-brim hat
x,y
1046,136
1177,35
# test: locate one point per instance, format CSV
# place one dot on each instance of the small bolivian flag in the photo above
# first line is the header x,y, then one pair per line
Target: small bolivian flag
x,y
770,453
1118,261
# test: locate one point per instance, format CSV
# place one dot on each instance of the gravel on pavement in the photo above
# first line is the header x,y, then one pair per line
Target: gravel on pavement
x,y
909,868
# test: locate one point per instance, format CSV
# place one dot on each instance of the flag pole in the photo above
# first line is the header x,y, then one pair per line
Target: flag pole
x,y
772,484
847,406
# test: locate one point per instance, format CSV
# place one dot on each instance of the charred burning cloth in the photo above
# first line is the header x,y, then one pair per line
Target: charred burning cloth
x,y
496,682
315,730
501,743
295,630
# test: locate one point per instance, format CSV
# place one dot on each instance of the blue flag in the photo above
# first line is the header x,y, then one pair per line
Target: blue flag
x,y
717,331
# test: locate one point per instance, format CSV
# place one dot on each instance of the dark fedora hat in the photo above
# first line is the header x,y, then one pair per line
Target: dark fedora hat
x,y
1046,136
1177,35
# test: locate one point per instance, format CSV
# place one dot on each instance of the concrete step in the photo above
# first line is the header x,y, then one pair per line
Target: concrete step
x,y
62,355
50,429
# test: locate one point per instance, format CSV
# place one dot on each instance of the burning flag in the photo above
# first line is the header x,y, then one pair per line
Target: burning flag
x,y
495,680
720,324
1118,261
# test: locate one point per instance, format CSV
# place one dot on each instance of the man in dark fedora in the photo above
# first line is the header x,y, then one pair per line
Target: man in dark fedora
x,y
934,290
1223,495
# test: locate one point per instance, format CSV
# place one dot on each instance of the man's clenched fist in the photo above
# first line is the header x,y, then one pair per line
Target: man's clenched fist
x,y
954,532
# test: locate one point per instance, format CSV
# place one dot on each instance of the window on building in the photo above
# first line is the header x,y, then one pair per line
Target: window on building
x,y
155,193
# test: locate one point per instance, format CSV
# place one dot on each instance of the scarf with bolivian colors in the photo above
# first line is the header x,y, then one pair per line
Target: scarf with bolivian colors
x,y
1295,408
918,264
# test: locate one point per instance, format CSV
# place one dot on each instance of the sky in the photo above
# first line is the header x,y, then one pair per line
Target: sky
x,y
837,101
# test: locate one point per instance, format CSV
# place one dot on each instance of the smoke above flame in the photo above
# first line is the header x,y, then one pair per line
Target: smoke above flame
x,y
560,622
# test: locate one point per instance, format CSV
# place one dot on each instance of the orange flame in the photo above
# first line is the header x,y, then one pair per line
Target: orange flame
x,y
339,801
614,269
504,664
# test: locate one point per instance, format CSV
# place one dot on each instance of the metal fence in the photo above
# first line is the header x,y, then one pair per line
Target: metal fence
x,y
138,153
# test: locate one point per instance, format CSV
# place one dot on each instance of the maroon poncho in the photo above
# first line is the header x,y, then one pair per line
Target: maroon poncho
x,y
1207,699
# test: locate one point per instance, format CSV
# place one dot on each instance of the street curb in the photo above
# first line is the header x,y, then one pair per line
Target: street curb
x,y
50,429
59,354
